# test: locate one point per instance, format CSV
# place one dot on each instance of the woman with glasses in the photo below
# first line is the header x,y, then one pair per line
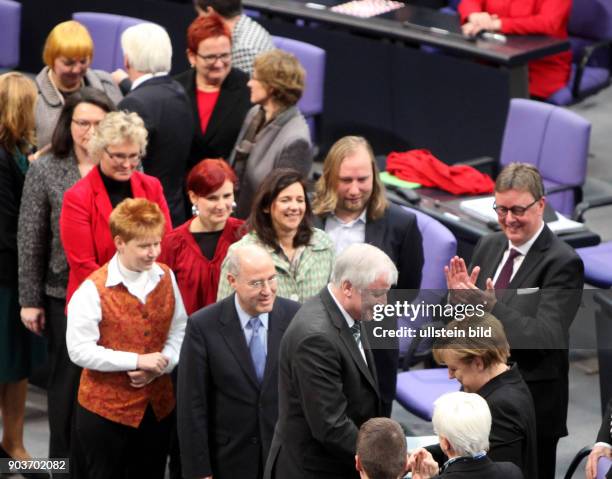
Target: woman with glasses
x,y
43,270
218,93
274,133
280,221
196,249
67,54
117,145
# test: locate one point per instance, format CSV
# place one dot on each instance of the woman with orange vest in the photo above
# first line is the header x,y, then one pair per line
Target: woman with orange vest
x,y
125,328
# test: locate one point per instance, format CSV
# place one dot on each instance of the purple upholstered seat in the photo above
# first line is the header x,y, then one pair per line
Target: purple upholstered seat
x,y
105,30
597,264
417,390
312,59
10,26
603,466
555,140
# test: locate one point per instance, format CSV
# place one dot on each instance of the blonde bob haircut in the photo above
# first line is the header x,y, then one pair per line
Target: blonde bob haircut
x,y
137,218
282,73
18,96
116,128
492,350
326,196
69,39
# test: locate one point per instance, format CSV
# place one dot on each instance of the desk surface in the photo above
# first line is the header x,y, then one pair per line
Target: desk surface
x,y
516,51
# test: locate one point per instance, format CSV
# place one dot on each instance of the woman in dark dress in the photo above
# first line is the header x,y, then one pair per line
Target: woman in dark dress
x,y
17,126
218,93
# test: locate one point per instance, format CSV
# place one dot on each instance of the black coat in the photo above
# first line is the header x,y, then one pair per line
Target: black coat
x,y
397,234
226,118
483,468
225,417
537,310
11,186
165,109
326,392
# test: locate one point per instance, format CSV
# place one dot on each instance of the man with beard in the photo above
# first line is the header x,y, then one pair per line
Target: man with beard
x,y
350,205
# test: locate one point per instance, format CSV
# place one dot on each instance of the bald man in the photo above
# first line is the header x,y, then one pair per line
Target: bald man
x,y
228,373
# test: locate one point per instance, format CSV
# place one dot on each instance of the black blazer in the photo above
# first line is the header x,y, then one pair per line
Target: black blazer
x,y
326,392
165,109
513,427
483,468
11,186
537,310
397,234
226,119
225,417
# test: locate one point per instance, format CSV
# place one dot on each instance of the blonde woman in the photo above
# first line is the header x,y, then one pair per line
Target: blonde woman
x,y
17,97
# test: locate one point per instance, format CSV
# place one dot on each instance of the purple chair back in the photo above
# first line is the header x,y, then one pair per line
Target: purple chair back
x,y
312,59
553,139
105,30
591,19
439,246
603,466
10,27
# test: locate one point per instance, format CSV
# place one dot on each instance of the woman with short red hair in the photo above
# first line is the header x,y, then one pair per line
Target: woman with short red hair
x,y
218,93
196,249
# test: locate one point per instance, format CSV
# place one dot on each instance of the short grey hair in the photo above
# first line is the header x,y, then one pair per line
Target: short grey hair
x,y
522,177
235,253
464,419
116,128
147,47
361,264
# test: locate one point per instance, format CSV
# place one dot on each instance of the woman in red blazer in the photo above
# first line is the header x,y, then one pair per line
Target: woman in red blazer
x,y
526,17
119,142
196,249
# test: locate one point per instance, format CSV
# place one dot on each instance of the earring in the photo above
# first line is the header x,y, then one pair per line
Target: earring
x,y
192,65
194,210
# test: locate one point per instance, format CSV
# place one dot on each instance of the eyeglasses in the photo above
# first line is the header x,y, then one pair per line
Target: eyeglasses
x,y
212,59
515,210
85,124
260,283
133,158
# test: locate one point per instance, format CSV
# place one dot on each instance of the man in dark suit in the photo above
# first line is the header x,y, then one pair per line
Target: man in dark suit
x,y
381,450
462,422
603,446
327,379
228,374
164,107
532,282
350,205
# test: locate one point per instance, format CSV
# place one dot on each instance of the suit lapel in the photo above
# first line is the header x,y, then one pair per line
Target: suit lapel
x,y
234,337
319,222
347,338
375,232
223,108
276,329
101,198
491,261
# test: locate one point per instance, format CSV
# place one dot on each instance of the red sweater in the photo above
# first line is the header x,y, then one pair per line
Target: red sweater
x,y
84,227
532,17
196,275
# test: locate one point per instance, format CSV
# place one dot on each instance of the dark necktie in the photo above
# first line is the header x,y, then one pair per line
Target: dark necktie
x,y
503,280
256,347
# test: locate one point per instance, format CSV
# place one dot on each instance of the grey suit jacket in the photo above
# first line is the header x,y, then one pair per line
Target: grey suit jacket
x,y
537,310
282,143
326,392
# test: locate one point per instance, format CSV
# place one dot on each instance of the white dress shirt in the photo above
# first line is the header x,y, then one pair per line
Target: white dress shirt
x,y
147,76
518,260
345,234
245,317
85,314
349,320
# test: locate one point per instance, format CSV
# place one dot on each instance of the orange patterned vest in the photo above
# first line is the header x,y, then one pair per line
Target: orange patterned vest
x,y
129,325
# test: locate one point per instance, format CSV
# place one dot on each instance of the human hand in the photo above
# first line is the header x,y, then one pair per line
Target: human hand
x,y
118,76
141,378
422,464
479,21
33,319
154,362
35,156
591,464
457,277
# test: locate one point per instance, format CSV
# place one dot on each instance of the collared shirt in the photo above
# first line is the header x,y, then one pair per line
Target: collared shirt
x,y
245,317
145,77
518,261
249,39
478,455
349,321
344,234
85,314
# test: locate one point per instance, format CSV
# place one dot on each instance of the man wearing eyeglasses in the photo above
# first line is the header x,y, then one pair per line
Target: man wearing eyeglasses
x,y
228,374
532,282
163,105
